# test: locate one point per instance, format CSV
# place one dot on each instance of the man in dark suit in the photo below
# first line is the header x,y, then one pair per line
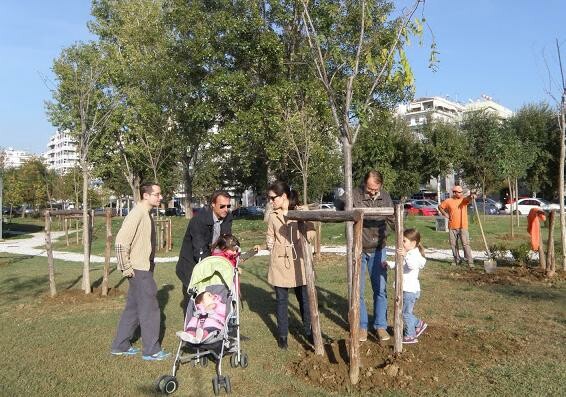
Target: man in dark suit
x,y
202,232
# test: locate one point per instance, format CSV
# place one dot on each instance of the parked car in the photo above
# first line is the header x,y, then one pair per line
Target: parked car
x,y
485,206
523,206
248,211
421,207
173,211
327,206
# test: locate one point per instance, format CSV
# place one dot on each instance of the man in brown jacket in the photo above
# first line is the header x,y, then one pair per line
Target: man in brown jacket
x,y
135,253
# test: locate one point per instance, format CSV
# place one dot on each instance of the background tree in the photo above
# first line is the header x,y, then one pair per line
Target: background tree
x,y
443,150
482,131
81,106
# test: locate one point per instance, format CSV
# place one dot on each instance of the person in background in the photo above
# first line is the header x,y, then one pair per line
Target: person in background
x,y
456,210
374,254
413,252
135,253
202,232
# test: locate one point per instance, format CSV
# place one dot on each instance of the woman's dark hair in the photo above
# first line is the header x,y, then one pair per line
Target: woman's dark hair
x,y
280,187
226,242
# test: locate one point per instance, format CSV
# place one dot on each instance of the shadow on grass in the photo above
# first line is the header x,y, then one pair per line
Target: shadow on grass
x,y
19,288
16,230
163,299
530,293
9,260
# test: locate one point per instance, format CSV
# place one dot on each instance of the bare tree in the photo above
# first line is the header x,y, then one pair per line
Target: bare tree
x,y
356,64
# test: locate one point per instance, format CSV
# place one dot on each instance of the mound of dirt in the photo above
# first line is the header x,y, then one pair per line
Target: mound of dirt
x,y
508,276
441,356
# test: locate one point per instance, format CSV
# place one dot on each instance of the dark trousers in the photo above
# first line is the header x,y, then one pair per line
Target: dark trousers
x,y
142,309
282,311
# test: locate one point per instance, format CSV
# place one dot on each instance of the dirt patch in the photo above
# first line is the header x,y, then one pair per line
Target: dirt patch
x,y
441,357
77,296
508,276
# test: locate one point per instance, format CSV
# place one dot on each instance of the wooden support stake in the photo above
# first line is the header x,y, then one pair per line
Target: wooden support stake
x,y
398,304
311,289
318,226
550,257
49,249
354,312
67,230
170,238
541,253
77,233
107,251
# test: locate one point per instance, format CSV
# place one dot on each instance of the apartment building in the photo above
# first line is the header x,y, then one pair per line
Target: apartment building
x,y
15,158
61,154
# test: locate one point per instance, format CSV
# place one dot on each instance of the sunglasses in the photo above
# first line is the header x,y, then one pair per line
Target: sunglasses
x,y
456,191
272,198
222,206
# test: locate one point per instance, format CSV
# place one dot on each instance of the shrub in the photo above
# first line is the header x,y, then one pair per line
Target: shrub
x,y
521,253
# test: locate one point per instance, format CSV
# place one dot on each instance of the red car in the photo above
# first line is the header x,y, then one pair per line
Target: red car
x,y
421,207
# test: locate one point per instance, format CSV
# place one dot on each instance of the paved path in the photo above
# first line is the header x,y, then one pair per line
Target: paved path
x,y
36,246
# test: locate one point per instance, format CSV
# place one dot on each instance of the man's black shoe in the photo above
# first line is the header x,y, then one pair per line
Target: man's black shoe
x,y
282,342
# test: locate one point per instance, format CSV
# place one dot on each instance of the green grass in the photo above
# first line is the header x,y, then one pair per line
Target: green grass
x,y
484,338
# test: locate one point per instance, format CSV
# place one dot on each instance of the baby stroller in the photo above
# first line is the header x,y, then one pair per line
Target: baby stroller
x,y
216,275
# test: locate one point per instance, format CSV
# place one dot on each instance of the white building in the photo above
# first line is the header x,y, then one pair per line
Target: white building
x,y
61,154
15,158
419,111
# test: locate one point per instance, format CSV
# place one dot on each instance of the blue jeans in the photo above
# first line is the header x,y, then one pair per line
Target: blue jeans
x,y
410,322
378,277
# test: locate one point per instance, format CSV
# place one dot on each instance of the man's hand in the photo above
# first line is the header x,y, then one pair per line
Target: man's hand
x,y
129,273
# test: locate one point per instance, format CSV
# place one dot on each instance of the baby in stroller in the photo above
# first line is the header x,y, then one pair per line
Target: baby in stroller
x,y
210,316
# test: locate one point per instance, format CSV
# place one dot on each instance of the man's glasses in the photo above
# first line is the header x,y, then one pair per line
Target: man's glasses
x,y
456,191
156,194
222,206
272,198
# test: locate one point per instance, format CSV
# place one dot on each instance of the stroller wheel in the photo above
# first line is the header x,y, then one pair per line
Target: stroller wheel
x,y
243,360
227,384
234,360
204,361
171,385
215,385
160,383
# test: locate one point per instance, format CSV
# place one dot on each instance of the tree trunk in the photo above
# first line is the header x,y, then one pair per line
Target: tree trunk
x,y
550,259
438,188
347,151
86,231
107,251
188,179
354,309
305,185
398,303
49,249
517,200
561,179
511,206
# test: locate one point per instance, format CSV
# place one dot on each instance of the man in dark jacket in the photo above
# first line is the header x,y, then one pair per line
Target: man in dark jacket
x,y
203,231
374,253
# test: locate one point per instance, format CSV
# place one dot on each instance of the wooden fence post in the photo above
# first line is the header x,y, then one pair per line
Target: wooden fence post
x,y
67,230
318,226
107,251
550,257
77,233
49,249
354,312
398,305
170,237
311,289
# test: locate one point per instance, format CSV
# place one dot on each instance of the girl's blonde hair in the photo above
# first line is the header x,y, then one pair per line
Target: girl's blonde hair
x,y
414,235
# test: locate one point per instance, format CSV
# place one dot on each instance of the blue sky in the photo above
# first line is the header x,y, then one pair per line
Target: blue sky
x,y
492,47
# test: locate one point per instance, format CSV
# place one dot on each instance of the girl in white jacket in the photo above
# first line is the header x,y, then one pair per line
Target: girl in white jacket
x,y
414,261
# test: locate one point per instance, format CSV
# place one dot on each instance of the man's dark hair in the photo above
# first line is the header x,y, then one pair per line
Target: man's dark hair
x,y
373,174
219,193
147,187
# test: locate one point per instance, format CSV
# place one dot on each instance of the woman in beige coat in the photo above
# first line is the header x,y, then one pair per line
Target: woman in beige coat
x,y
286,265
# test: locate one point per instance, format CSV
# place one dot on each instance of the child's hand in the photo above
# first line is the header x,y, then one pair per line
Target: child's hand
x,y
240,270
257,248
401,251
